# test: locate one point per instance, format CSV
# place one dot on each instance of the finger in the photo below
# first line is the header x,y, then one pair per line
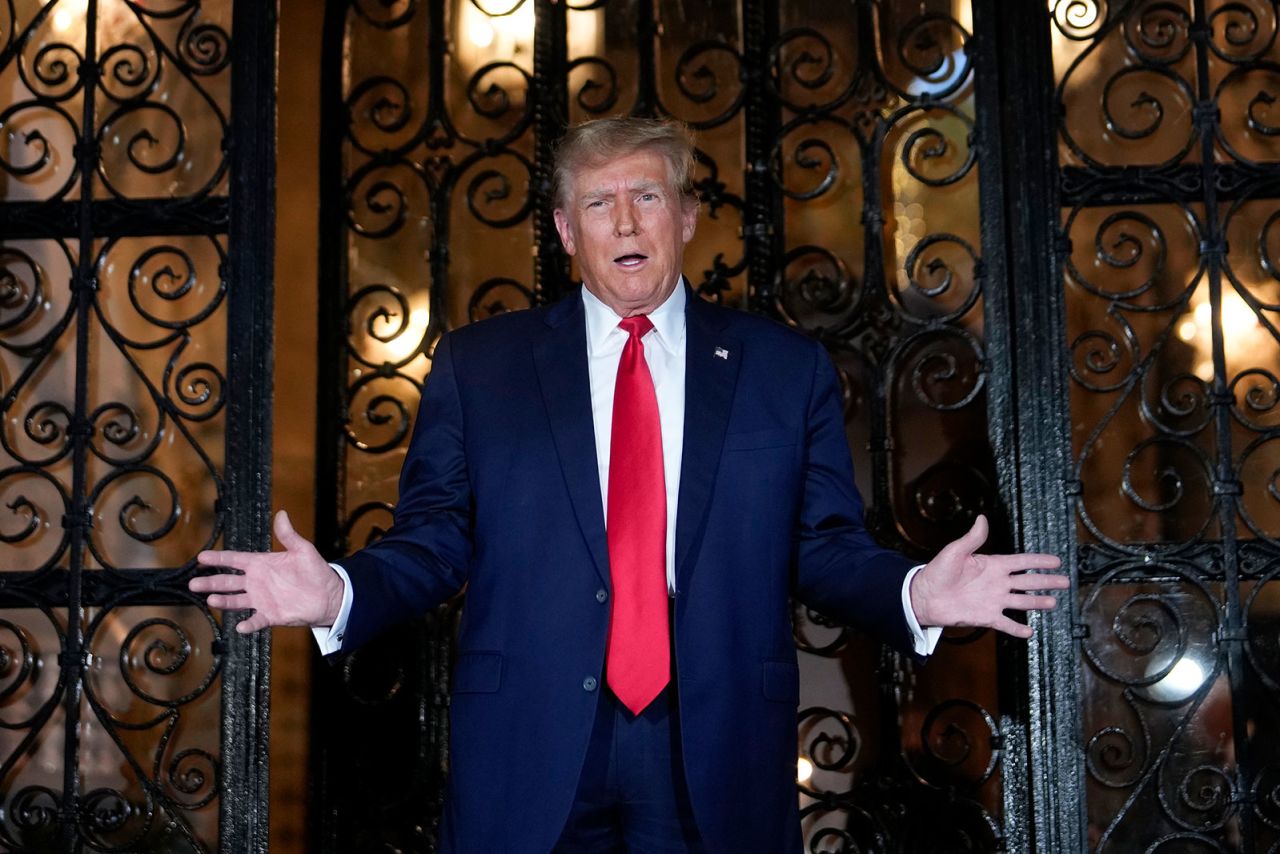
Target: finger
x,y
1026,602
221,583
227,559
252,624
283,528
1038,581
1012,628
230,602
1023,562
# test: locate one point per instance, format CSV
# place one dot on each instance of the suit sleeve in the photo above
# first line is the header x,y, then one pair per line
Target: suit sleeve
x,y
839,569
423,559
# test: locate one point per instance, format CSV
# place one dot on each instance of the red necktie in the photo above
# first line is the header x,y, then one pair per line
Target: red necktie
x,y
638,662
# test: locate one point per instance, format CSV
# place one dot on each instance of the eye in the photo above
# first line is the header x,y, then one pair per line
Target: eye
x,y
598,203
648,197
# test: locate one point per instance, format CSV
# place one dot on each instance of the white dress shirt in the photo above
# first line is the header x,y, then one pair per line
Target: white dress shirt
x,y
664,352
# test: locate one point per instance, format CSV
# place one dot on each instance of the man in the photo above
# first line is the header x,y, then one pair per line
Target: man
x,y
631,483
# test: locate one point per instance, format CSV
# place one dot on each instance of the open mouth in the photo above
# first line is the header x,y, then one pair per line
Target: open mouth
x,y
631,260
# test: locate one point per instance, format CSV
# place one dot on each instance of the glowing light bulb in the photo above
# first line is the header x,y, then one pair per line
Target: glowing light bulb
x,y
804,770
1187,331
480,33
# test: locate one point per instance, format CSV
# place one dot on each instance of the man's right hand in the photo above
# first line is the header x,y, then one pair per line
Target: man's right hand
x,y
294,587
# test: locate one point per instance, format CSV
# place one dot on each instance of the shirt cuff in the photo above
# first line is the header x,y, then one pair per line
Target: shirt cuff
x,y
923,641
329,638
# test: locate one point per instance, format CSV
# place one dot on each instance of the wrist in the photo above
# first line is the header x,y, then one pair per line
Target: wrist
x,y
919,595
333,597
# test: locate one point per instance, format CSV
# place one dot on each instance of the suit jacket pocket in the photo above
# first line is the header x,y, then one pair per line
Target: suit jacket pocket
x,y
758,439
477,673
781,681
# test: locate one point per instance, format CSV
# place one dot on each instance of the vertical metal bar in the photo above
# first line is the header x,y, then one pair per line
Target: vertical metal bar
x,y
1040,402
762,214
1214,248
245,686
647,102
1001,371
331,355
880,515
83,284
331,361
551,111
441,196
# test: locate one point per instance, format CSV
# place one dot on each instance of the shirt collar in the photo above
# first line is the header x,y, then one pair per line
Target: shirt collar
x,y
667,319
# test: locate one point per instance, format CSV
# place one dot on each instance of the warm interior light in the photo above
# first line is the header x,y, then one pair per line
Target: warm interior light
x,y
1243,335
502,31
480,32
70,13
1182,680
404,344
804,770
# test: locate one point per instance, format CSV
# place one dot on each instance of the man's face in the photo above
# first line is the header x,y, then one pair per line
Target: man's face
x,y
627,225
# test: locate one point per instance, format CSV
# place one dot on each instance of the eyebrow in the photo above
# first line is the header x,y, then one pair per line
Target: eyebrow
x,y
646,186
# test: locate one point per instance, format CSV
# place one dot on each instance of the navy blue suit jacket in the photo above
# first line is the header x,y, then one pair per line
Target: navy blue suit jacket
x,y
500,491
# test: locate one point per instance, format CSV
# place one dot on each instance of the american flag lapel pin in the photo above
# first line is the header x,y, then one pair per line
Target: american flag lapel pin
x,y
722,353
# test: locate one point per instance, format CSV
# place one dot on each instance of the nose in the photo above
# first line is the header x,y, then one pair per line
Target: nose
x,y
624,219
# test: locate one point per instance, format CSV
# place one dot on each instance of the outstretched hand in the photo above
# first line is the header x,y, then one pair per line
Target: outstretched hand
x,y
294,587
962,588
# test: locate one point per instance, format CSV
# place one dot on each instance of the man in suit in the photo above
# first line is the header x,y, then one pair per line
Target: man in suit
x,y
632,483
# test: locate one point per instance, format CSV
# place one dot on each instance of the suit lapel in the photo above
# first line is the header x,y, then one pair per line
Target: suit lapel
x,y
711,372
560,357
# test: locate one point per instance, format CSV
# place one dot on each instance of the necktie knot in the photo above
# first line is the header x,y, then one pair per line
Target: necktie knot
x,y
637,325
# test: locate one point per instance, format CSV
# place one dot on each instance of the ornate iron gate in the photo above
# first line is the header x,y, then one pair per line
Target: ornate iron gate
x,y
1148,440
850,176
136,146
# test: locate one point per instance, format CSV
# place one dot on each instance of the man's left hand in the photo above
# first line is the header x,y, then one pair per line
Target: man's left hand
x,y
962,588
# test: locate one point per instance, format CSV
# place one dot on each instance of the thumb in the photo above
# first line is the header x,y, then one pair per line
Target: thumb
x,y
975,537
284,532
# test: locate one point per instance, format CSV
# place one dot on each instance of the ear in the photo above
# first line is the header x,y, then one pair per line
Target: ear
x,y
565,230
689,212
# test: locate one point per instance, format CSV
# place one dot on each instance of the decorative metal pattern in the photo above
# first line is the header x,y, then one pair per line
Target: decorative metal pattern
x,y
839,170
118,308
1170,185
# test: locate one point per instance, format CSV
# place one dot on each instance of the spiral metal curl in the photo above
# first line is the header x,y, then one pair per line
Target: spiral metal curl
x,y
34,808
494,101
128,71
599,91
1239,35
828,750
931,146
1203,800
169,274
1159,33
381,410
204,49
195,775
498,296
697,80
488,187
1079,20
814,279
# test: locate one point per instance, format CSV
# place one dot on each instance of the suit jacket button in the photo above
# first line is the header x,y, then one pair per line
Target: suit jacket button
x,y
602,595
589,684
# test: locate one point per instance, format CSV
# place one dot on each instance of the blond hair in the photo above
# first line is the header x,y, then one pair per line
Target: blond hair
x,y
598,141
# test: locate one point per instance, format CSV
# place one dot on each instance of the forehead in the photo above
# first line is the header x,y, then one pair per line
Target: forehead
x,y
644,168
